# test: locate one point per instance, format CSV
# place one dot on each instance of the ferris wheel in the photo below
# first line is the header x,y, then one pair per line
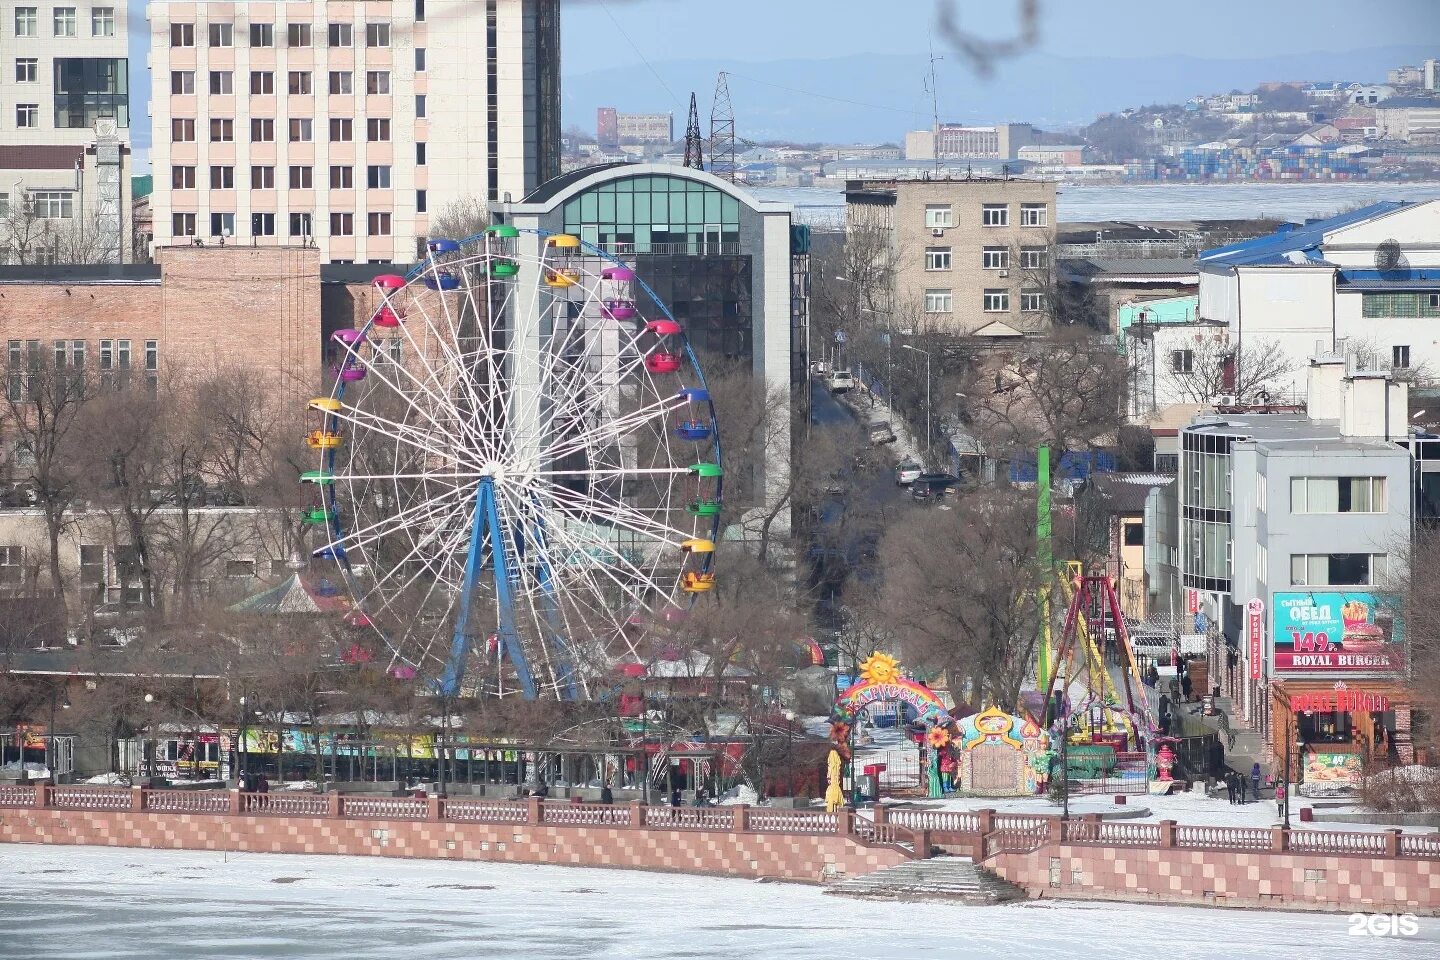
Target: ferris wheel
x,y
519,472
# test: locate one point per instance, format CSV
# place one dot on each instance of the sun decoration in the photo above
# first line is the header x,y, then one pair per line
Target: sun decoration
x,y
880,668
938,737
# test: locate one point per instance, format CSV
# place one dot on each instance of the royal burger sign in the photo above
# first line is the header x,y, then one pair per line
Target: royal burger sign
x,y
1335,632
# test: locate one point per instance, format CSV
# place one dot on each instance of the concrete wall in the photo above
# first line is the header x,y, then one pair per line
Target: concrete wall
x,y
1226,878
812,858
1415,228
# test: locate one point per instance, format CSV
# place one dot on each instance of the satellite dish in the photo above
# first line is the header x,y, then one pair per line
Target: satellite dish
x,y
1388,256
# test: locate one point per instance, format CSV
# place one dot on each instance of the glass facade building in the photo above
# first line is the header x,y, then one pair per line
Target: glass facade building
x,y
658,215
88,88
1206,560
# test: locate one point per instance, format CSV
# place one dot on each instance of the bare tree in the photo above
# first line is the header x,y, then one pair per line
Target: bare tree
x,y
461,218
30,235
1209,366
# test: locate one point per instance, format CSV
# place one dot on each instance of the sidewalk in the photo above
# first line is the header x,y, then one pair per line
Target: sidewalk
x,y
869,407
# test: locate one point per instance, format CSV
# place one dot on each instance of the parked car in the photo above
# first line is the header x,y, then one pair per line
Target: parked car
x,y
841,381
880,432
819,367
907,472
938,482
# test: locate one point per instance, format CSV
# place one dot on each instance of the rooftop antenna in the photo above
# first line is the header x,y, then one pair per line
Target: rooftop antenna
x,y
694,143
722,131
935,107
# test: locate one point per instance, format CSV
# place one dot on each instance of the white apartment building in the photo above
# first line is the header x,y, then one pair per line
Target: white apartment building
x,y
64,131
347,124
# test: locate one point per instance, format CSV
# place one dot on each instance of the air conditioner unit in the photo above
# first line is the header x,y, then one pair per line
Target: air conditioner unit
x,y
1226,400
1004,273
937,231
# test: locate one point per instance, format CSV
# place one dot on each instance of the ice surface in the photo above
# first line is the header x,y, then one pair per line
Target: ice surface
x,y
89,903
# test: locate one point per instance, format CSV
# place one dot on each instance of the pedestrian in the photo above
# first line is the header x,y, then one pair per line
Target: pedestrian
x,y
700,798
1230,785
1241,783
607,796
675,798
1255,779
1185,685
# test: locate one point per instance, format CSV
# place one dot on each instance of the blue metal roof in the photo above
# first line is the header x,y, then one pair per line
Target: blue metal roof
x,y
1406,278
1305,239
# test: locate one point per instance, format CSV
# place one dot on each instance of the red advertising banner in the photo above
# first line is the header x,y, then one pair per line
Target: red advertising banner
x,y
1340,700
1192,601
1255,633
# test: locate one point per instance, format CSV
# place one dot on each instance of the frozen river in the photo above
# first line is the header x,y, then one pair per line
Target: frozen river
x,y
109,904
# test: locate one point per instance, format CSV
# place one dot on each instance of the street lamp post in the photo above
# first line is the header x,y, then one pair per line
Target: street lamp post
x,y
907,346
50,740
240,755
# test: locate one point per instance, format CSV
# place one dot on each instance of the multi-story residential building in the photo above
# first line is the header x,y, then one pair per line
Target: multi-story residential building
x,y
972,256
347,125
1411,119
1430,75
64,133
1406,76
1292,526
1002,141
1365,282
645,127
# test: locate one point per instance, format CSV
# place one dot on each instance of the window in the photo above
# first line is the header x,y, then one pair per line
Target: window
x,y
64,21
938,301
419,59
27,70
92,564
1034,258
1400,357
222,178
53,204
302,129
378,224
222,34
995,215
1182,361
27,114
1134,534
419,105
1337,494
262,83
182,178
377,34
182,82
1034,215
297,35
377,178
939,215
1409,305
995,258
182,34
181,225
997,301
420,201
937,258
300,82
262,224
102,21
182,130
222,82
419,11
377,82
87,88
341,35
239,568
1032,301
301,178
377,129
12,564
262,178
301,224
122,354
222,130
340,82
1338,569
262,131
222,224
342,178
420,154
342,224
262,34
26,22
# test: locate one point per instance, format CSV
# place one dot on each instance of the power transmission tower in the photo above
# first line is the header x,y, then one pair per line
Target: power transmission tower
x,y
722,131
694,143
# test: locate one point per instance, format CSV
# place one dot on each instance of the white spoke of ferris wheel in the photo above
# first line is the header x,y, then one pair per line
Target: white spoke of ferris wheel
x,y
579,400
578,548
444,478
418,513
394,430
541,620
612,430
460,533
431,373
554,360
376,369
618,514
608,472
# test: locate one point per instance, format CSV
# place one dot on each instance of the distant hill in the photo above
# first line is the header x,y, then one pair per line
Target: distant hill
x,y
1050,91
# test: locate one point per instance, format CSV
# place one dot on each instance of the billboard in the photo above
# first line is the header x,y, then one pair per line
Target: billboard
x,y
1324,632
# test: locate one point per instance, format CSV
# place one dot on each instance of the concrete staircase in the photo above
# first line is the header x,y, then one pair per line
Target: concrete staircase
x,y
950,877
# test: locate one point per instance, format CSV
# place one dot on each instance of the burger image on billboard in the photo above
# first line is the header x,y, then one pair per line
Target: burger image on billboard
x,y
1360,636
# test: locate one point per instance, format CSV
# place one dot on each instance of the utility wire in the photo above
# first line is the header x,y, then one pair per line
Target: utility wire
x,y
826,96
606,7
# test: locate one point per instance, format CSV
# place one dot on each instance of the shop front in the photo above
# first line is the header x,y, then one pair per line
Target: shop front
x,y
1338,701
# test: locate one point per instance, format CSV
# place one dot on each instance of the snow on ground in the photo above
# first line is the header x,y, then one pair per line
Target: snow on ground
x,y
89,903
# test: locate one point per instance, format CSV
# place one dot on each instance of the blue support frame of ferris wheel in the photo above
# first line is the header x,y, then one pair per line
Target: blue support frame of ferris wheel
x,y
486,520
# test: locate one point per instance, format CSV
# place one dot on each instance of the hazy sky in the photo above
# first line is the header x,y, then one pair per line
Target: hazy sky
x,y
779,29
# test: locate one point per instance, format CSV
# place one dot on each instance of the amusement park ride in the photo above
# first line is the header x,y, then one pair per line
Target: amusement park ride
x,y
519,472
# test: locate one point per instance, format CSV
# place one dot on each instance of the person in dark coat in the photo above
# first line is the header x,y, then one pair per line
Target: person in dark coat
x,y
1185,685
1230,785
1255,779
1240,783
675,798
606,795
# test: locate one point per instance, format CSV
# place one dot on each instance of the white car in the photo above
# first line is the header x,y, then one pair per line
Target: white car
x,y
841,381
908,472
